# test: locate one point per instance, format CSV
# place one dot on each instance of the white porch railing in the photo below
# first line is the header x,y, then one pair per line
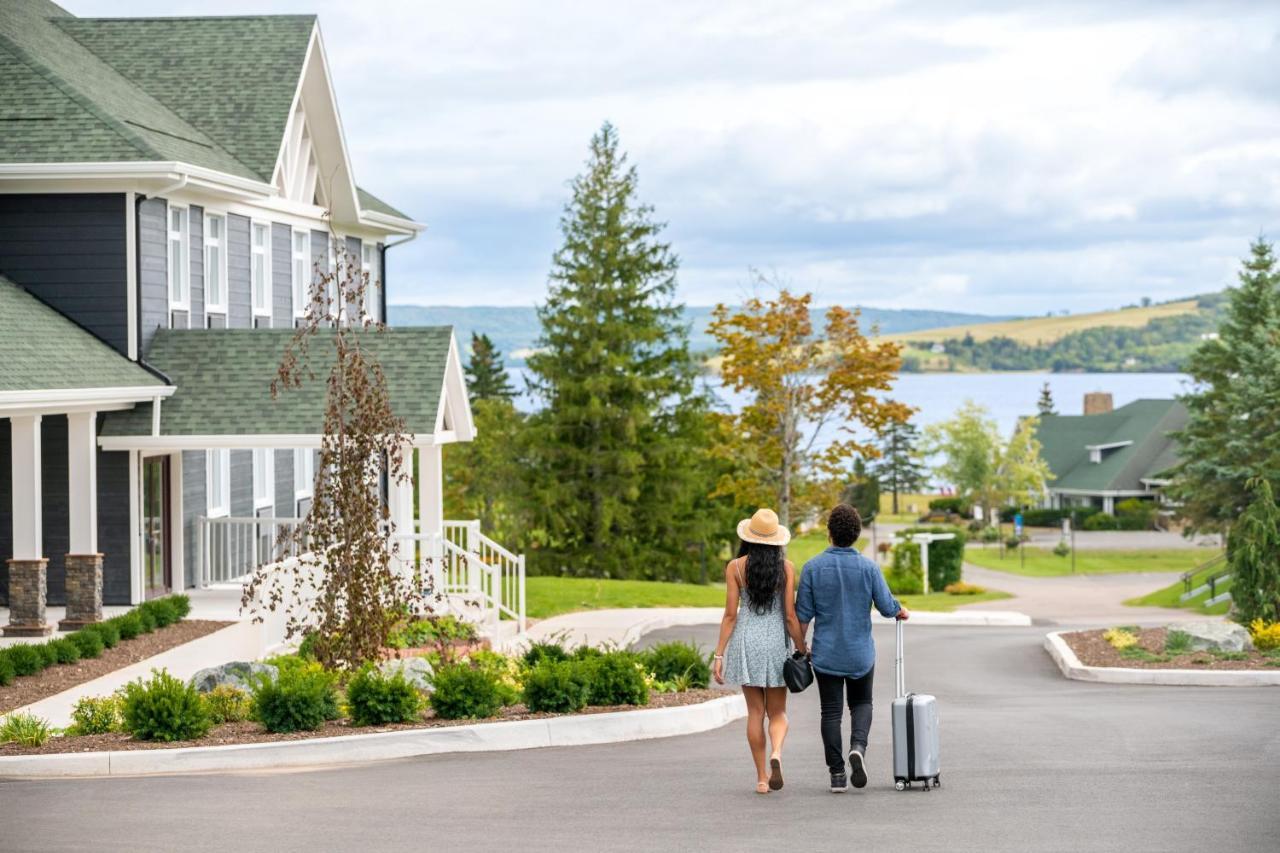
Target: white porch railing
x,y
475,576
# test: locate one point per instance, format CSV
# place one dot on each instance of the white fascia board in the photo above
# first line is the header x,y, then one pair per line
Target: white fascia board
x,y
167,171
391,223
1109,446
1102,493
293,104
319,51
84,397
454,391
279,441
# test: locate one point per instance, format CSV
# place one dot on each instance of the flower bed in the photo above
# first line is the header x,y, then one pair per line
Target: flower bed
x,y
1150,648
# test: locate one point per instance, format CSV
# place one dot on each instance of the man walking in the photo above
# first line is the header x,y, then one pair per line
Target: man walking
x,y
837,589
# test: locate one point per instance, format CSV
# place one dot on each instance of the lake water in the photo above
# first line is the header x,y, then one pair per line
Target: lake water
x,y
1008,396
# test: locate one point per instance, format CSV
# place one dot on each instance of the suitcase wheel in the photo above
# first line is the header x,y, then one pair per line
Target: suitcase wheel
x,y
900,785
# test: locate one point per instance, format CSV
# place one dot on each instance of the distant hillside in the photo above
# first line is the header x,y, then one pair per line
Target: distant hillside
x,y
1046,330
514,329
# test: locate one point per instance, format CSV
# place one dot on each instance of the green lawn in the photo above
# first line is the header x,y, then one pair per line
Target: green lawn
x,y
1043,563
551,596
1170,596
803,548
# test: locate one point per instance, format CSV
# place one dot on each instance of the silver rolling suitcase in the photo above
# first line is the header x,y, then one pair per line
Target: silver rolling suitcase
x,y
915,733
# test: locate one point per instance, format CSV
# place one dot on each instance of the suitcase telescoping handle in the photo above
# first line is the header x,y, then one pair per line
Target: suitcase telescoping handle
x,y
899,668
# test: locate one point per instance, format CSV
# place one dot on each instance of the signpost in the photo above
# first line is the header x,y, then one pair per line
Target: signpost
x,y
923,540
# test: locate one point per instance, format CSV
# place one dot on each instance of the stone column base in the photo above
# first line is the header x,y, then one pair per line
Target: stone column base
x,y
27,587
84,591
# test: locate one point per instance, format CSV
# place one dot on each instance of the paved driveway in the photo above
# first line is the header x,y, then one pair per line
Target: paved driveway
x,y
1030,762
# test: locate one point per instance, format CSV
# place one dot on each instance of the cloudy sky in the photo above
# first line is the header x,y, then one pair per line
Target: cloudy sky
x,y
971,156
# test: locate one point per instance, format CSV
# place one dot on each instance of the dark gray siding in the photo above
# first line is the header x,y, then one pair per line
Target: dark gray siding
x,y
242,483
70,250
194,504
197,267
281,276
239,304
6,509
284,484
153,267
113,524
53,504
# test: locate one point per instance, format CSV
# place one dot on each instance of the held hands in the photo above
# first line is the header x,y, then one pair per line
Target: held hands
x,y
903,615
717,668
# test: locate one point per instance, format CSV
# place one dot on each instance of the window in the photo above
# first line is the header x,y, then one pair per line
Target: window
x,y
304,472
218,482
179,260
260,268
301,273
369,266
264,477
334,291
215,263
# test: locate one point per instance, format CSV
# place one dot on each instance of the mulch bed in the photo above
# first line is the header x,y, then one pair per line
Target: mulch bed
x,y
1093,650
248,732
59,677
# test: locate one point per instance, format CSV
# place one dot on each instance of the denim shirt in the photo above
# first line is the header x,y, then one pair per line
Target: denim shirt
x,y
837,589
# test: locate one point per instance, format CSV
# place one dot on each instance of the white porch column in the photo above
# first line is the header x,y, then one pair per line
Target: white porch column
x,y
1109,505
400,497
82,481
27,521
431,510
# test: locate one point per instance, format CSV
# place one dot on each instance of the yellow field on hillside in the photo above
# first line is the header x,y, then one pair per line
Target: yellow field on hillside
x,y
1043,330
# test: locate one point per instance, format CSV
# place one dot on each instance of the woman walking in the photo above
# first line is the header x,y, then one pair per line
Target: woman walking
x,y
759,613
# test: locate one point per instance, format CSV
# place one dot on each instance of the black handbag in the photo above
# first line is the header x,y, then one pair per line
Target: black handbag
x,y
797,672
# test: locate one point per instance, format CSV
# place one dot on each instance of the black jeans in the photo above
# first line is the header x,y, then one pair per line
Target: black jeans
x,y
834,690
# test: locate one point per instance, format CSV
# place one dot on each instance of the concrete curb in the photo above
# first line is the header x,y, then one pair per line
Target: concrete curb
x,y
1072,668
579,730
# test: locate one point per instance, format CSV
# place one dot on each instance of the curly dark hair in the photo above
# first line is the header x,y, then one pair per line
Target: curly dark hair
x,y
845,526
765,574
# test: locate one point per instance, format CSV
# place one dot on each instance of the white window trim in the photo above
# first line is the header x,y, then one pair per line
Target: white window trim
x,y
304,473
266,269
211,307
300,293
217,506
268,474
184,271
370,265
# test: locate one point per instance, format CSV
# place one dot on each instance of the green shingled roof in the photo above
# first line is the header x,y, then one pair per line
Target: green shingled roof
x,y
1066,440
224,381
40,349
369,201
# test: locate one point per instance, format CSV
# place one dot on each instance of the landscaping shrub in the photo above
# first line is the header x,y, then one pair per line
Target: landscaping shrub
x,y
164,708
505,670
88,643
307,648
299,698
25,730
375,699
462,691
989,535
904,574
434,630
1266,635
95,715
962,588
128,625
26,659
161,611
107,632
6,669
538,652
959,506
674,660
146,617
227,704
946,556
181,605
48,654
1062,549
1013,543
1120,638
1135,514
557,687
64,650
586,653
1048,517
616,678
1177,642
1100,521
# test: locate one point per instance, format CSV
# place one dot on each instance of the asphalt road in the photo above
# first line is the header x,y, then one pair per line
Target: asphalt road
x,y
1030,762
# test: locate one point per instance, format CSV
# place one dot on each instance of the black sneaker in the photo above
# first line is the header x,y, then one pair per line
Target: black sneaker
x,y
839,784
857,770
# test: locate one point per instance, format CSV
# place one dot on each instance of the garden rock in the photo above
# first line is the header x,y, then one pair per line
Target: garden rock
x,y
1216,636
234,674
416,671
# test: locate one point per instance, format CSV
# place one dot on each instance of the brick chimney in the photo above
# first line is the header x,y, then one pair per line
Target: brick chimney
x,y
1098,403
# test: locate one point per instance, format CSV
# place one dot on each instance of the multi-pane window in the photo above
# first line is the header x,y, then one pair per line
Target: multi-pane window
x,y
369,267
304,472
260,268
215,263
179,263
264,477
218,482
301,272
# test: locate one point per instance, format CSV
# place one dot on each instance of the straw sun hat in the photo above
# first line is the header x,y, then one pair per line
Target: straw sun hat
x,y
763,529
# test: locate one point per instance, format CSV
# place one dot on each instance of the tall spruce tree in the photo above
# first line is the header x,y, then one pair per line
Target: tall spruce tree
x,y
614,469
899,468
1045,403
1233,432
486,377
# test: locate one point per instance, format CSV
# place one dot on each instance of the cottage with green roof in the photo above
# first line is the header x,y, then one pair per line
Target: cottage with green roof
x,y
1110,454
173,194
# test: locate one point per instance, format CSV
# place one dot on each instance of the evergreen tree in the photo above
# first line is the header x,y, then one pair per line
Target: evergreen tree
x,y
1045,403
1233,431
863,490
486,377
1252,548
899,468
614,469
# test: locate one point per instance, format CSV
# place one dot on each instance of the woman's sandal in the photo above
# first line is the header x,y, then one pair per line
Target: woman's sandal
x,y
775,774
762,787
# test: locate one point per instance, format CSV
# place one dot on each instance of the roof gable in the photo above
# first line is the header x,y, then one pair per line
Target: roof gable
x,y
1135,438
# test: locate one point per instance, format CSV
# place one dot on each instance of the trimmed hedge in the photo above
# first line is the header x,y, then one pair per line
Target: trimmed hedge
x,y
164,708
905,574
375,699
675,660
462,691
88,643
616,678
959,506
946,556
1047,517
299,698
558,687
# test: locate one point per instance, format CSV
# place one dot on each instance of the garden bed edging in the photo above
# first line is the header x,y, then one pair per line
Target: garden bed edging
x,y
1071,667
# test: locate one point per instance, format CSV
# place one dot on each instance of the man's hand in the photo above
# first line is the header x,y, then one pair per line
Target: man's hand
x,y
903,615
717,669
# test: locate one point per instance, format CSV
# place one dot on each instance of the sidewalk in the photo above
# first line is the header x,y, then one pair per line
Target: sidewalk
x,y
1079,599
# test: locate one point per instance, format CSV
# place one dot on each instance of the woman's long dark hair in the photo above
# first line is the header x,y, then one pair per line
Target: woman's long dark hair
x,y
765,574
